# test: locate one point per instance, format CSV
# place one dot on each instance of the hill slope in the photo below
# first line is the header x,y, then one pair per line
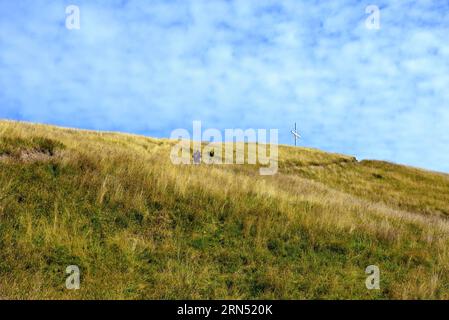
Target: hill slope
x,y
140,227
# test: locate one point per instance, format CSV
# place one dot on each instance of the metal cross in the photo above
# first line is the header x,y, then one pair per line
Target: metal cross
x,y
296,134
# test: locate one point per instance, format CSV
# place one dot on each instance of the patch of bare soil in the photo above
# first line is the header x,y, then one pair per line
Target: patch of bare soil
x,y
29,156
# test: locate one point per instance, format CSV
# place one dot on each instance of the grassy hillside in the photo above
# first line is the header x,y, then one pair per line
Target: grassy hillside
x,y
140,227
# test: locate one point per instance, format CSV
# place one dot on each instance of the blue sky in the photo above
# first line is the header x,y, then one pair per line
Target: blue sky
x,y
149,67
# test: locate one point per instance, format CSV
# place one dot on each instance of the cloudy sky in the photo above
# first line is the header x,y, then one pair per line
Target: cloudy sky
x,y
149,67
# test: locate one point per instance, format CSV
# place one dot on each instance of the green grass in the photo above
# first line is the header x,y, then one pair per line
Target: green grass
x,y
139,227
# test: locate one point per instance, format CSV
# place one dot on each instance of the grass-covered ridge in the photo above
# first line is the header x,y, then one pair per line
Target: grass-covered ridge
x,y
140,227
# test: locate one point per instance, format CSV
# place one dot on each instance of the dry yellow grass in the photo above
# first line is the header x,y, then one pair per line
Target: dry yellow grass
x,y
140,227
